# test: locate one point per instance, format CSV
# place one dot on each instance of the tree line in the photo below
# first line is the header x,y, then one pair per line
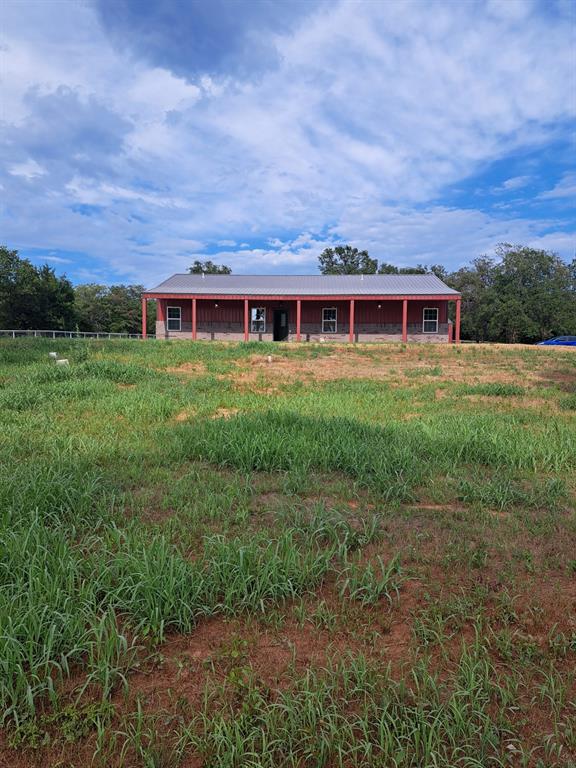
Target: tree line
x,y
35,298
521,294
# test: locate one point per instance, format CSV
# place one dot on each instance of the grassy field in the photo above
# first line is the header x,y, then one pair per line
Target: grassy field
x,y
340,557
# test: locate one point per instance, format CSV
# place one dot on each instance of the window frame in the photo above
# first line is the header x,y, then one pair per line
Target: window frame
x,y
172,319
335,320
429,320
253,328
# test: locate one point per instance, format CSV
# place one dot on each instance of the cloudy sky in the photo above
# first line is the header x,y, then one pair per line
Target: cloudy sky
x,y
139,135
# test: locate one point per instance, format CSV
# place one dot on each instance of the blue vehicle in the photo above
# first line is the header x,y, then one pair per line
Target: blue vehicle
x,y
559,341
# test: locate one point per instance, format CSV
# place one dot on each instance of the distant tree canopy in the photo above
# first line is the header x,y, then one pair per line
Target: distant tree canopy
x,y
345,260
419,269
522,295
111,309
209,268
33,297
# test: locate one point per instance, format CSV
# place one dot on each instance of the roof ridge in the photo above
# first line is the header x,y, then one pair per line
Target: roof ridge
x,y
355,274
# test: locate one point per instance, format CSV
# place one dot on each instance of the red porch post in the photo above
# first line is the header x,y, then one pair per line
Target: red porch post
x,y
194,319
457,334
298,318
404,320
160,313
245,319
143,317
351,321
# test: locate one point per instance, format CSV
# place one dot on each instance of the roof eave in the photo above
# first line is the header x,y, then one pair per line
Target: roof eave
x,y
157,294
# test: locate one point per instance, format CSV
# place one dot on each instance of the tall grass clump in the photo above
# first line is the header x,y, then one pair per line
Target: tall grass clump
x,y
48,386
504,490
569,403
391,459
492,389
72,495
63,605
385,458
355,714
326,526
367,583
150,582
500,440
251,575
49,605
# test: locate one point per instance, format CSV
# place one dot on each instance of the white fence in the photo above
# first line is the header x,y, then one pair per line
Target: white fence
x,y
15,334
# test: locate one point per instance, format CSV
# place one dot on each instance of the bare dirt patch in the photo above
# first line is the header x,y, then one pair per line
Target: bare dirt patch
x,y
393,363
435,507
224,413
186,414
564,379
187,369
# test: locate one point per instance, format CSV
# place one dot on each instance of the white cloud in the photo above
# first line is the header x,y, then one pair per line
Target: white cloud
x,y
29,169
85,192
440,234
54,259
516,182
160,90
514,10
404,237
566,187
373,110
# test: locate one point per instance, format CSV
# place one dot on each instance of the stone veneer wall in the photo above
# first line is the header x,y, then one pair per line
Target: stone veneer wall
x,y
363,333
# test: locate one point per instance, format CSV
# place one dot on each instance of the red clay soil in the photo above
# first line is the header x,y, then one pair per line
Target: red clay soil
x,y
174,684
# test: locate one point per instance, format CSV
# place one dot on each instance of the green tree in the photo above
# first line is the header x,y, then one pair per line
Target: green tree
x,y
16,288
440,271
387,269
33,297
476,284
345,260
55,300
420,269
112,309
209,268
541,286
125,308
92,309
523,295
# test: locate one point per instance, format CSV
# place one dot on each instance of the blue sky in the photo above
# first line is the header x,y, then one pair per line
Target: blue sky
x,y
138,136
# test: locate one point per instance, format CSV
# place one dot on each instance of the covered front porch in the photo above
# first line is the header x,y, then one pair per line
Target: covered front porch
x,y
328,318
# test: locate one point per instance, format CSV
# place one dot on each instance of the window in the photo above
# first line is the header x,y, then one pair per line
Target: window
x,y
258,318
329,320
174,317
430,320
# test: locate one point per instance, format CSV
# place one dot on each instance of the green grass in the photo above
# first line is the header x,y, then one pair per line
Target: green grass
x,y
356,714
493,389
382,564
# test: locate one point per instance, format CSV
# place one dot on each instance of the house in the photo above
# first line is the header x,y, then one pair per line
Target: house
x,y
304,307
